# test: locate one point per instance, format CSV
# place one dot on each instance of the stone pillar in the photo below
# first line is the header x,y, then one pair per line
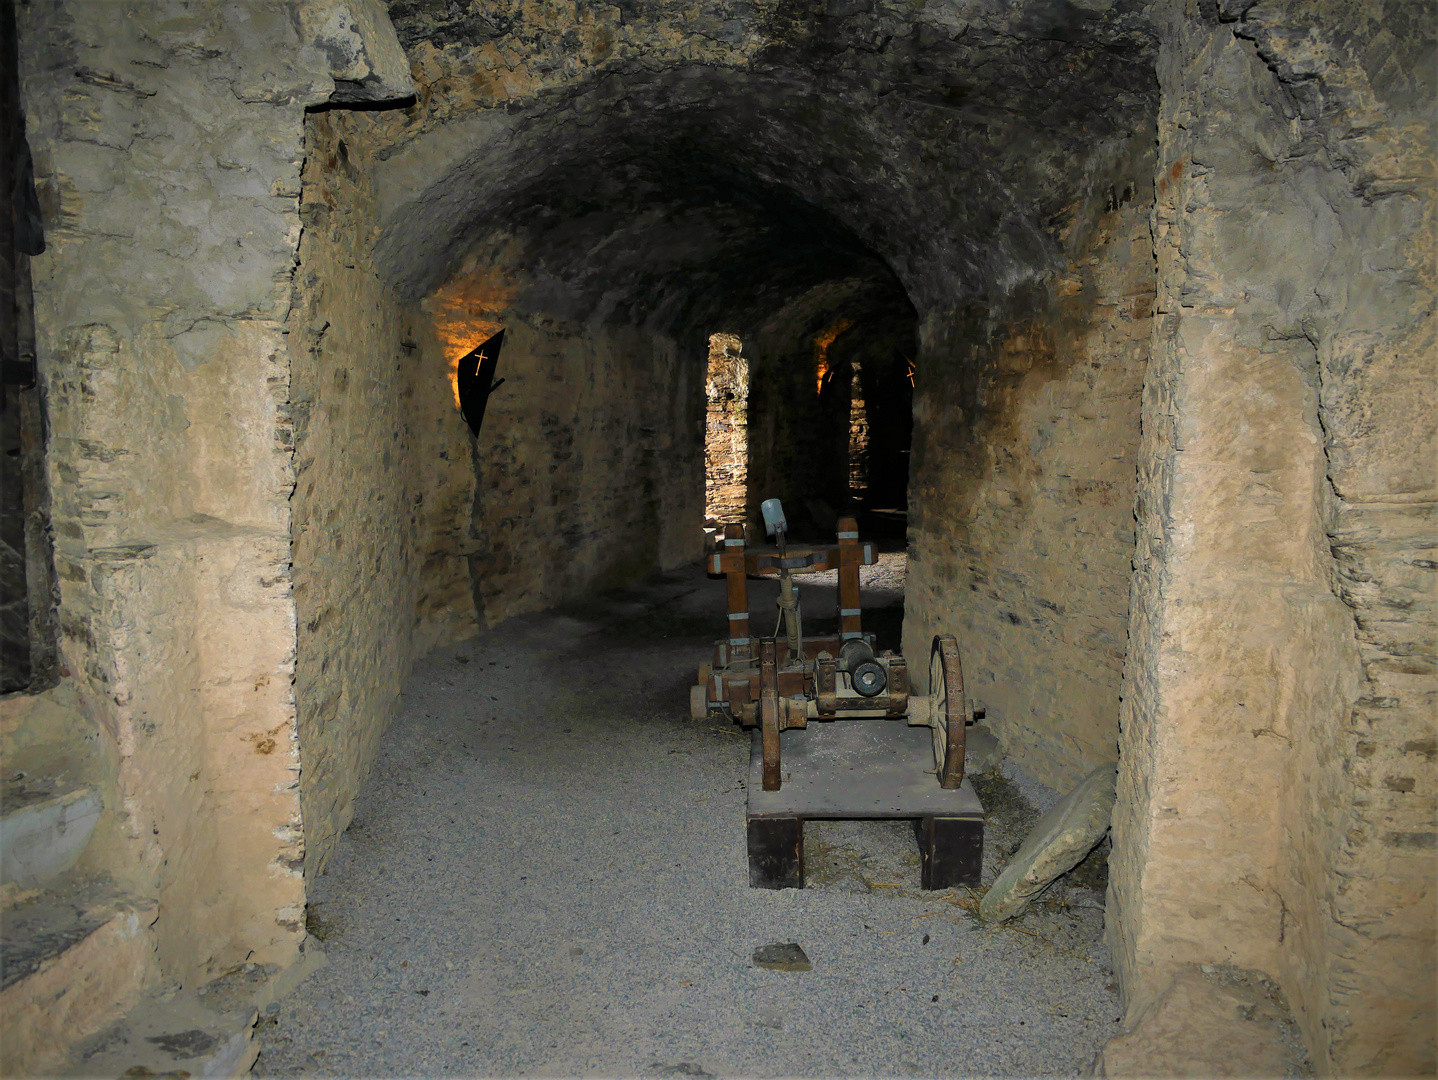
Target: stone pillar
x,y
167,148
1281,628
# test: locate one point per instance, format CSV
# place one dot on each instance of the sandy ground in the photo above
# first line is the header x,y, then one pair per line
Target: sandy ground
x,y
546,876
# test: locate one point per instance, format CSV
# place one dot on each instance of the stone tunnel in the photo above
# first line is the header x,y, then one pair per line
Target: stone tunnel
x,y
1136,298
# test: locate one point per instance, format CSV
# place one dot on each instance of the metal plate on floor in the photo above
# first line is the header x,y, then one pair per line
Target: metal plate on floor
x,y
856,769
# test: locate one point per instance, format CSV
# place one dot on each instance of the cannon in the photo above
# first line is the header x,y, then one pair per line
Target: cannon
x,y
778,684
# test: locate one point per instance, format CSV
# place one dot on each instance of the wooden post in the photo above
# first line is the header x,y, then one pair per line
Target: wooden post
x,y
850,556
769,710
740,644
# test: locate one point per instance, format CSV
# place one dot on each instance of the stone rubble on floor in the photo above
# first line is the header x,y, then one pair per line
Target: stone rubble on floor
x,y
779,957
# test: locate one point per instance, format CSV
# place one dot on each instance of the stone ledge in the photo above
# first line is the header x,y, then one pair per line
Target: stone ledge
x,y
205,1032
74,956
1211,1021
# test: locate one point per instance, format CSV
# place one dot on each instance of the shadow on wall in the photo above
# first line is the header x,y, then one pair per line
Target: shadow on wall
x,y
830,407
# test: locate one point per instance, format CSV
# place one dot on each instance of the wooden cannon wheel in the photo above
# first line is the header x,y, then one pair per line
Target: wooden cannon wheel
x,y
699,693
699,702
949,709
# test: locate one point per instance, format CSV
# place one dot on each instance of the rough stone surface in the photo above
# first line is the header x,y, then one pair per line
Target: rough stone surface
x,y
364,57
617,184
1063,836
44,827
1209,1022
74,958
1025,446
803,401
982,751
160,344
584,473
726,433
168,150
171,1033
359,402
589,467
1282,637
659,100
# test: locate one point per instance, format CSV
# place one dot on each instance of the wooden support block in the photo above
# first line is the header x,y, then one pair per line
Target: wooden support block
x,y
864,770
951,850
776,853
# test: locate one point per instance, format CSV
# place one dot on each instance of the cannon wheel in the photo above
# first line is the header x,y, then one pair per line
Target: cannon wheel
x,y
949,711
699,702
699,693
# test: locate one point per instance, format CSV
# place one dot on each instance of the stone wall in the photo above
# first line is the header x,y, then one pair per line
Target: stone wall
x,y
1277,786
172,533
798,438
362,478
589,467
1020,500
883,347
167,150
408,529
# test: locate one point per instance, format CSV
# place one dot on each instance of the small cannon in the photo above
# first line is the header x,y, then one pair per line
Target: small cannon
x,y
777,684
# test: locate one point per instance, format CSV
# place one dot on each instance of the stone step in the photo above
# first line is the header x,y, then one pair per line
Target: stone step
x,y
45,823
72,959
174,1033
208,1031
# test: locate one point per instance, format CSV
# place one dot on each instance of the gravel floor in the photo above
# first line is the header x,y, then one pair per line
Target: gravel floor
x,y
546,876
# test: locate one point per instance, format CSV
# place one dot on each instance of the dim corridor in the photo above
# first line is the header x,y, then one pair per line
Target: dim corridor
x,y
546,876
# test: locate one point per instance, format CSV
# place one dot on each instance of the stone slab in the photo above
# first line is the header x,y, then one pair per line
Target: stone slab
x,y
170,1034
782,957
857,769
71,961
44,826
1062,837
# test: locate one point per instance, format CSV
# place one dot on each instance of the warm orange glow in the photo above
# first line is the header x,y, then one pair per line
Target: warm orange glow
x,y
822,341
467,310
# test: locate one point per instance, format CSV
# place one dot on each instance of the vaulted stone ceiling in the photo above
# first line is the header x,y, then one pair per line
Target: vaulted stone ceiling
x,y
677,163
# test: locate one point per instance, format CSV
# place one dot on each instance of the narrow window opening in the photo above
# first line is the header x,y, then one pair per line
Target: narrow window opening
x,y
726,433
823,370
858,437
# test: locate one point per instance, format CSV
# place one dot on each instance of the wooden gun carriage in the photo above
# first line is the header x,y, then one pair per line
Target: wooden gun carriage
x,y
778,684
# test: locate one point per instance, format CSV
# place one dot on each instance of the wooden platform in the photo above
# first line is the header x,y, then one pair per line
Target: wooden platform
x,y
860,769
